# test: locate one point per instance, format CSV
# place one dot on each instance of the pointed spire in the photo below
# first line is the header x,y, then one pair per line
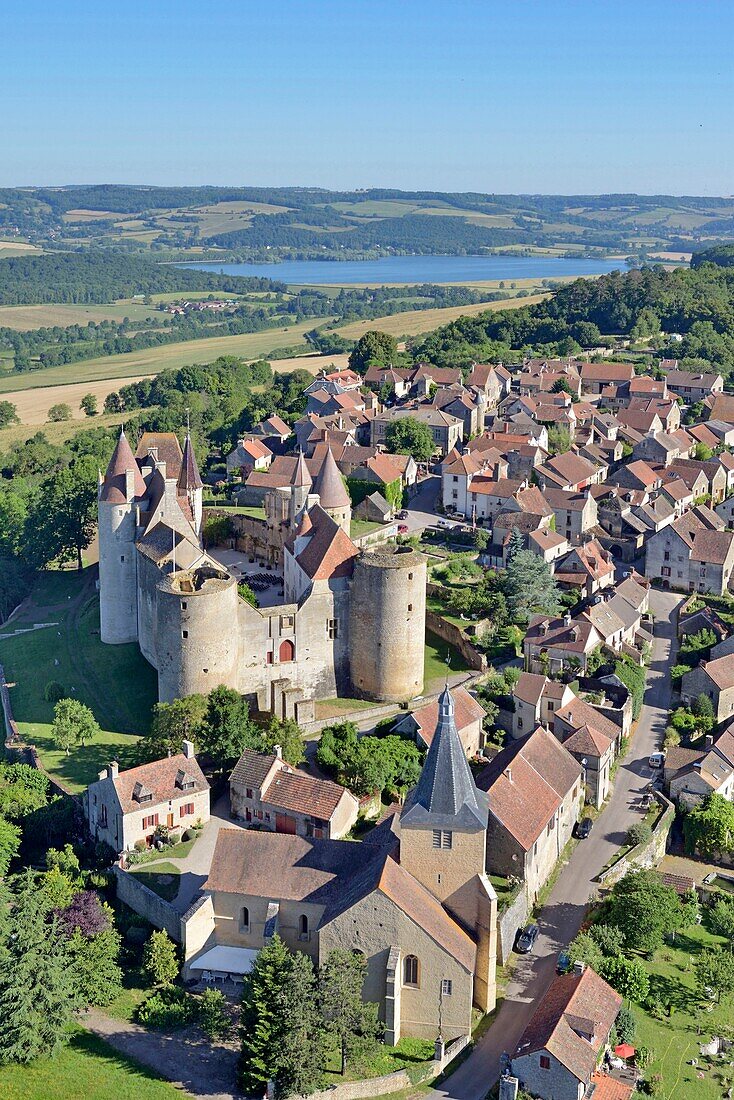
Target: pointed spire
x,y
122,463
301,477
189,477
305,527
329,485
446,795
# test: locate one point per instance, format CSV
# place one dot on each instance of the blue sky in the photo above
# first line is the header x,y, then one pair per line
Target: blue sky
x,y
532,95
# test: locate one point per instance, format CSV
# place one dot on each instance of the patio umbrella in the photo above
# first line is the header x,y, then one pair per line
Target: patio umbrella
x,y
624,1050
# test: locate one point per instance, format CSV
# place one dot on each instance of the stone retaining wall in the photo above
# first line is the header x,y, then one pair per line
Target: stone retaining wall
x,y
146,903
508,922
451,634
644,855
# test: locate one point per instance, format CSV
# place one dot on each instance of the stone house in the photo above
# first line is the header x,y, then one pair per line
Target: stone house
x,y
536,700
692,554
692,774
593,740
534,790
588,568
559,1049
485,377
446,430
714,472
420,724
266,791
661,447
715,679
694,387
550,644
422,913
125,808
576,513
572,472
595,376
248,455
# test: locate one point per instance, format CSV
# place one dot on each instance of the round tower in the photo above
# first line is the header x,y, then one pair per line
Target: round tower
x,y
197,632
119,492
387,624
332,492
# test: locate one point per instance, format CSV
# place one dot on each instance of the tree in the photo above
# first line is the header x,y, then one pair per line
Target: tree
x,y
585,949
702,452
73,724
286,733
721,916
38,995
373,347
89,404
96,966
639,833
260,1020
625,1025
351,1023
8,414
609,938
515,545
703,709
409,436
227,729
173,723
159,959
559,439
715,971
627,976
709,828
62,521
528,586
9,844
214,1018
644,909
66,860
58,413
299,1060
55,890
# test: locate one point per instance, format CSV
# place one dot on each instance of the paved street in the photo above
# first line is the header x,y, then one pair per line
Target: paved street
x,y
564,911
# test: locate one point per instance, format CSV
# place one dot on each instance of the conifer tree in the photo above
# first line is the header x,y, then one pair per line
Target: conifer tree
x,y
38,993
299,1063
515,545
348,1020
259,1023
159,959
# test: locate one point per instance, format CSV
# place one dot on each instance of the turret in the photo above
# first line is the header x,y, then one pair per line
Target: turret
x,y
332,492
190,486
300,487
120,490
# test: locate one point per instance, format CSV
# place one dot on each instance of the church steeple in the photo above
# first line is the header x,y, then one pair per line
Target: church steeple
x,y
189,484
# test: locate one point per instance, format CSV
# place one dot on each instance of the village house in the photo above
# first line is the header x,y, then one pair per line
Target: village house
x,y
248,455
446,430
692,554
576,513
693,387
536,700
267,792
692,774
593,740
551,644
595,376
713,471
567,1034
129,808
572,472
535,792
714,679
421,724
587,568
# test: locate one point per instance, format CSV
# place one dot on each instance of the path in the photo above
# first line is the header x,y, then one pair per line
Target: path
x,y
564,911
205,1073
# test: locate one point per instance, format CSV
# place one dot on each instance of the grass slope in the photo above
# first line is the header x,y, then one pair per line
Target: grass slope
x,y
426,320
114,681
250,345
25,318
87,1068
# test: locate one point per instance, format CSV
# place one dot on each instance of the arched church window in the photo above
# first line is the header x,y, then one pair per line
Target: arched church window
x,y
410,970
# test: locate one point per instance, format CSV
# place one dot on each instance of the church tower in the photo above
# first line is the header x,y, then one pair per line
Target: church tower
x,y
443,840
190,486
120,490
332,492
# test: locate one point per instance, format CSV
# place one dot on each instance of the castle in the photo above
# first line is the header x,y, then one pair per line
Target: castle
x,y
352,623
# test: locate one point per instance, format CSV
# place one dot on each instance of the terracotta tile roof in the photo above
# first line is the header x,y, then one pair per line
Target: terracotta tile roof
x,y
527,782
722,408
462,465
720,671
677,378
607,372
546,539
480,374
588,741
579,713
676,489
304,794
466,711
563,498
160,778
329,552
329,485
647,385
384,468
578,636
609,1088
568,469
252,768
532,500
277,425
122,461
712,547
643,473
571,1000
604,618
529,688
504,489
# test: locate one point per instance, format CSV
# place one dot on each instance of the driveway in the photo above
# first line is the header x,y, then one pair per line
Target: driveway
x,y
195,866
422,507
564,911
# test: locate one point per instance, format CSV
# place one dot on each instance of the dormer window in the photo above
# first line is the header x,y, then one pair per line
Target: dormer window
x,y
141,794
184,781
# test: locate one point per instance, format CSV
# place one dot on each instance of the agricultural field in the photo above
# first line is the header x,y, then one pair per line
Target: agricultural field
x,y
25,318
69,651
133,364
33,405
16,248
426,320
57,433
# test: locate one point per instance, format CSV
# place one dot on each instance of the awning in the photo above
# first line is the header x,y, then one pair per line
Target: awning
x,y
228,960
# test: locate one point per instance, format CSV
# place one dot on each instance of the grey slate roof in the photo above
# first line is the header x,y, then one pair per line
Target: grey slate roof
x,y
446,796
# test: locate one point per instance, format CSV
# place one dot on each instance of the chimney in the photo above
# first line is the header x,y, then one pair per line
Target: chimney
x,y
579,967
567,619
187,748
508,773
708,741
278,750
113,770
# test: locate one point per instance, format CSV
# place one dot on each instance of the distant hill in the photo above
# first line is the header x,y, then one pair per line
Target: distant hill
x,y
722,256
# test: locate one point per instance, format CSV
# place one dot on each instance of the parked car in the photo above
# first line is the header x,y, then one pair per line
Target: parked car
x,y
402,528
444,523
656,759
403,513
526,939
563,963
584,827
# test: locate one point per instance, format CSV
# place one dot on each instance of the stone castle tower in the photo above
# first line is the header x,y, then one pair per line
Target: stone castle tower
x,y
387,624
119,494
332,492
190,487
443,840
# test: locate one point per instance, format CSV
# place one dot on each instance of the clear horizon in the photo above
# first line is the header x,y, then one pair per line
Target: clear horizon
x,y
550,97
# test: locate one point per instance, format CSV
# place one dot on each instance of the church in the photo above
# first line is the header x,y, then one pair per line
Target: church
x,y
413,897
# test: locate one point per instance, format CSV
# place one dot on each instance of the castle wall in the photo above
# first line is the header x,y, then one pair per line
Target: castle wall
x,y
117,573
387,624
148,577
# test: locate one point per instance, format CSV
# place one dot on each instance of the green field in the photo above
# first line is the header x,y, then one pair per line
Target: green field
x,y
675,1040
435,670
87,1068
114,681
250,345
25,318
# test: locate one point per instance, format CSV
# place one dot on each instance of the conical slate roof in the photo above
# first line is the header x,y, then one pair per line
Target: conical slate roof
x,y
301,477
113,485
189,477
329,485
446,795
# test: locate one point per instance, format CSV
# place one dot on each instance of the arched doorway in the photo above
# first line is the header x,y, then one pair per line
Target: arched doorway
x,y
287,651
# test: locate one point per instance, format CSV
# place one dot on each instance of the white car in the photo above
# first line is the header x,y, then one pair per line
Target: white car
x,y
656,759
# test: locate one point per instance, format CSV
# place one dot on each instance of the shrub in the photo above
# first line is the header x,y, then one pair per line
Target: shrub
x,y
213,1014
639,833
625,1025
53,691
141,846
608,937
171,1007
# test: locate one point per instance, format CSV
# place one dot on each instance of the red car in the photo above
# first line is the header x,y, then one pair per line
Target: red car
x,y
402,528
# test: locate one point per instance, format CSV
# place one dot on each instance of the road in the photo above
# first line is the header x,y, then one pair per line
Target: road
x,y
564,911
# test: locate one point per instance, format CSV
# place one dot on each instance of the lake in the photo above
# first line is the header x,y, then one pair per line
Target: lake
x,y
418,269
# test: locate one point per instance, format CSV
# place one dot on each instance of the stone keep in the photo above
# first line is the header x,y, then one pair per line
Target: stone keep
x,y
387,624
118,497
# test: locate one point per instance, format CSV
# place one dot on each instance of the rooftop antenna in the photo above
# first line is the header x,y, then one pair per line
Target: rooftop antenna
x,y
188,421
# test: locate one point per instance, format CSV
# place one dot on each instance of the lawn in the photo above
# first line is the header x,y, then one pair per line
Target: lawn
x,y
249,345
114,681
163,881
360,527
87,1068
334,708
675,1040
414,1055
436,652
